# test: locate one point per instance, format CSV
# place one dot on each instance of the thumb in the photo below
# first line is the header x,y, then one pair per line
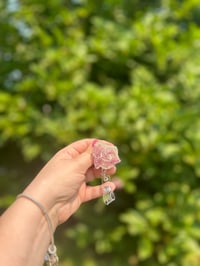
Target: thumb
x,y
83,161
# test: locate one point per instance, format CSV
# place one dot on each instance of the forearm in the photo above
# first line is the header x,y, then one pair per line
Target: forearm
x,y
24,234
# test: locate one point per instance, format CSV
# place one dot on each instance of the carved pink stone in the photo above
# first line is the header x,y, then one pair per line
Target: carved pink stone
x,y
105,155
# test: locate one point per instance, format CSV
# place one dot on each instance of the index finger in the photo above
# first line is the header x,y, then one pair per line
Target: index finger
x,y
76,148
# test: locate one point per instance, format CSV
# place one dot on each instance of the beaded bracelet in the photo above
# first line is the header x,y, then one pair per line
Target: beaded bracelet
x,y
51,257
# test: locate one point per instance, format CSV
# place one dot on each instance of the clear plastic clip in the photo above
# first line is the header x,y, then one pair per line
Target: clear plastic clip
x,y
108,194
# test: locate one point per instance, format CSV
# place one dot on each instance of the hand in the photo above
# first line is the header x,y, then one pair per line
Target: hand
x,y
63,183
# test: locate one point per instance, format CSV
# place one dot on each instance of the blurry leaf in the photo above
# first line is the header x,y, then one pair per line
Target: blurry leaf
x,y
136,223
145,248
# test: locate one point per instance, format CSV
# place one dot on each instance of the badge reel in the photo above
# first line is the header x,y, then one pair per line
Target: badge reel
x,y
105,157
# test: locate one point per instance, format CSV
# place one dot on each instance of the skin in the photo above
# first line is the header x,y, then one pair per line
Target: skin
x,y
61,187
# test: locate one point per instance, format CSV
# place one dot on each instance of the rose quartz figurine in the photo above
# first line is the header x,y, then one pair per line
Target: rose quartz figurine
x,y
105,155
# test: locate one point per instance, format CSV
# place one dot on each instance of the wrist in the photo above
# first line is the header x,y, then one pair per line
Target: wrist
x,y
24,232
41,192
51,255
46,205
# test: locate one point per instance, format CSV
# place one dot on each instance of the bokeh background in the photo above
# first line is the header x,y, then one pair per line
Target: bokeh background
x,y
126,71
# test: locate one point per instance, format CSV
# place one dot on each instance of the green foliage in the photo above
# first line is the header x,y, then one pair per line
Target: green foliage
x,y
125,71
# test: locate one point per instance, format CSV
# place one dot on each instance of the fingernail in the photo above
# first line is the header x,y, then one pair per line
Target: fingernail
x,y
95,141
107,189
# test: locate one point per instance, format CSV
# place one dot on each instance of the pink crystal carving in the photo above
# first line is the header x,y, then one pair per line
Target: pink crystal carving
x,y
105,155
